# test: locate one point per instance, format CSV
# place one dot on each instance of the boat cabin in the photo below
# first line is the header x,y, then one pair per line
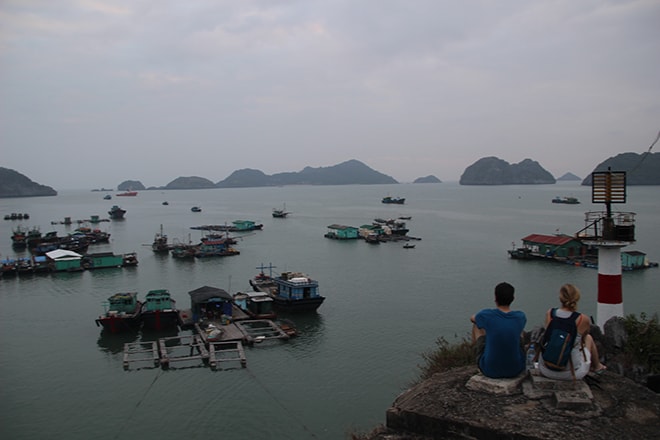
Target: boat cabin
x,y
554,246
256,304
633,260
296,286
122,303
158,299
210,302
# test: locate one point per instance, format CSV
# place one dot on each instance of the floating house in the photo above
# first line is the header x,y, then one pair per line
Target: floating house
x,y
342,232
631,260
258,305
102,260
64,260
558,247
210,302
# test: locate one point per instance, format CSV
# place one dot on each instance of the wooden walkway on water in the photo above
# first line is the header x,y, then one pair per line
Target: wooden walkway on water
x,y
199,348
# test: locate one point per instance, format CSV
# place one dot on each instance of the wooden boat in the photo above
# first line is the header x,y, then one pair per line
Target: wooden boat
x,y
19,237
196,209
257,305
160,244
122,313
116,213
107,197
280,213
291,291
395,200
128,194
129,259
566,200
236,226
408,246
159,311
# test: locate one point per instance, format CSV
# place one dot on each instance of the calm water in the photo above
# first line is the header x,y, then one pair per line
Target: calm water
x,y
385,305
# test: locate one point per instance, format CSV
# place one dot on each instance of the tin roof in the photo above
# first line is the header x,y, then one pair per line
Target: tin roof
x,y
557,240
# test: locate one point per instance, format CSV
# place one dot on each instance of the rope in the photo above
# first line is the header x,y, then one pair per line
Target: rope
x,y
272,395
646,153
137,405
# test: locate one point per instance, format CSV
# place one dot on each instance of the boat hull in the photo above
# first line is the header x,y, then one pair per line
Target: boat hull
x,y
119,324
160,319
297,305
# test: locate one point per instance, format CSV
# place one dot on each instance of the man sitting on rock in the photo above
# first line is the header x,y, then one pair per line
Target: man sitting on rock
x,y
497,333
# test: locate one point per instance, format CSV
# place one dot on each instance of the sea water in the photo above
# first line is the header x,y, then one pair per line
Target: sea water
x,y
385,305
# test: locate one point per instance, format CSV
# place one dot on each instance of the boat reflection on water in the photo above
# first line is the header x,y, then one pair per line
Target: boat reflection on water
x,y
113,343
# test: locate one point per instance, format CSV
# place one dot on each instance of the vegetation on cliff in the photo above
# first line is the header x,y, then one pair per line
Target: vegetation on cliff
x,y
15,184
352,172
495,171
641,169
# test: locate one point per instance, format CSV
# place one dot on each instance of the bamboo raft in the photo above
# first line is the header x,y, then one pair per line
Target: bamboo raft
x,y
226,345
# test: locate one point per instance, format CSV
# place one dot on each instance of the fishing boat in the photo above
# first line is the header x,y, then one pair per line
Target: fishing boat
x,y
159,244
215,248
19,237
236,226
291,291
107,197
128,194
196,209
394,200
122,313
280,213
408,246
116,213
159,311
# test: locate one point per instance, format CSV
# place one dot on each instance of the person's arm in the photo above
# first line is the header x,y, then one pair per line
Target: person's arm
x,y
585,324
548,318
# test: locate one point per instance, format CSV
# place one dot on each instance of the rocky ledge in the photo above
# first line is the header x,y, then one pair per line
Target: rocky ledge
x,y
462,404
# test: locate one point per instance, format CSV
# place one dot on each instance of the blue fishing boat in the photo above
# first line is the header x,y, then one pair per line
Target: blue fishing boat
x,y
291,291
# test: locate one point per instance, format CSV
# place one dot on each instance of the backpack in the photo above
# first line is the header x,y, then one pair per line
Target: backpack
x,y
558,340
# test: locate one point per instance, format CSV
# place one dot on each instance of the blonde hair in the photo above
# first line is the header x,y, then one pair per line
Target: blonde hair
x,y
569,295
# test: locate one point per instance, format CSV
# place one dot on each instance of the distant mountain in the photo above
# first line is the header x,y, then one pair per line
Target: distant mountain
x,y
641,169
495,171
130,185
192,182
568,177
427,179
352,172
15,184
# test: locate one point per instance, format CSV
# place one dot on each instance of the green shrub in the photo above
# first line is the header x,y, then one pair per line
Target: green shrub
x,y
447,356
643,344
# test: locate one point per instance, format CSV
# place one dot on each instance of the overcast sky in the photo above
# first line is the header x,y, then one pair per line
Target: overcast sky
x,y
94,92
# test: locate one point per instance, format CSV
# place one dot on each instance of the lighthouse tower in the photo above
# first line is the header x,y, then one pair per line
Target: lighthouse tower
x,y
611,232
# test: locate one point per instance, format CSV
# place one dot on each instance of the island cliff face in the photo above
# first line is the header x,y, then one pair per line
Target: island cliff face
x,y
641,169
15,184
352,172
495,171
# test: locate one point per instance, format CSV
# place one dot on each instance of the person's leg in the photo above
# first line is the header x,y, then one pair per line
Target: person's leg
x,y
590,345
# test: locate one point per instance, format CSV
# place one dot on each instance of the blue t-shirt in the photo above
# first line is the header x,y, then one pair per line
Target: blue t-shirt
x,y
502,356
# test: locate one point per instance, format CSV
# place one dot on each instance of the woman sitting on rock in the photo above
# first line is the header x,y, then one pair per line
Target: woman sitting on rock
x,y
573,326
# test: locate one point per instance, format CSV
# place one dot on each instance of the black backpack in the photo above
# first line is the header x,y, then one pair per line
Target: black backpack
x,y
558,340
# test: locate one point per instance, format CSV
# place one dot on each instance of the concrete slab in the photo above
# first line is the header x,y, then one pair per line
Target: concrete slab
x,y
573,400
499,387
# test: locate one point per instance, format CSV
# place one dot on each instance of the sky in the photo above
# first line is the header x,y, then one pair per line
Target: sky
x,y
95,92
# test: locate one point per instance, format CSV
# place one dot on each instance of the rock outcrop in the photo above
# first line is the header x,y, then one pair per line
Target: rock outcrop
x,y
568,177
130,185
15,184
641,169
192,182
495,171
427,179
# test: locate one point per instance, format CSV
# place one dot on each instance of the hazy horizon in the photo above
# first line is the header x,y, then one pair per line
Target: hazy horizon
x,y
95,92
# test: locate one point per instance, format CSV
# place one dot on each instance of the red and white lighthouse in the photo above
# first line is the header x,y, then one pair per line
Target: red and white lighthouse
x,y
611,232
